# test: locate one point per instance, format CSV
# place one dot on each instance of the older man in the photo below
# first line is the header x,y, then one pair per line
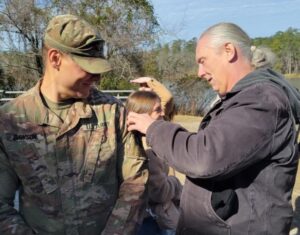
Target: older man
x,y
241,164
64,145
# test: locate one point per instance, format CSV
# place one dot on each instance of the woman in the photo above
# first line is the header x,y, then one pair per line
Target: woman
x,y
163,190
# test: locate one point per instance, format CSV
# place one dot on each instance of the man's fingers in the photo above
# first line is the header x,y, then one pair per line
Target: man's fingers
x,y
139,122
131,127
130,122
131,118
131,114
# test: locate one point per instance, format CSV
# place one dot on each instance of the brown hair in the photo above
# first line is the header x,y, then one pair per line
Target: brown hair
x,y
141,101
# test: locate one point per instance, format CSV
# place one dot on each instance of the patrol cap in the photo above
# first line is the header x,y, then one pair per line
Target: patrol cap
x,y
76,37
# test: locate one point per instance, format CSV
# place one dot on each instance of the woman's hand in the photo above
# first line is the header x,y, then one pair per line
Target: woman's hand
x,y
143,82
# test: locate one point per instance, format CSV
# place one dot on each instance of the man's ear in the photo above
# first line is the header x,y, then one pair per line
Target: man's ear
x,y
54,58
230,51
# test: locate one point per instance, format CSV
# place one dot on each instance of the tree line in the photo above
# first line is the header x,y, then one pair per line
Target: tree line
x,y
131,32
286,46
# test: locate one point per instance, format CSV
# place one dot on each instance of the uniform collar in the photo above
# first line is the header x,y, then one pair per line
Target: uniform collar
x,y
44,116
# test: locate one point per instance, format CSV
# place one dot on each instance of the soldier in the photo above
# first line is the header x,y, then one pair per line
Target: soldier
x,y
64,146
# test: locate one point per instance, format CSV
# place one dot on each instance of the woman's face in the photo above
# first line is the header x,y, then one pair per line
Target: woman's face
x,y
157,112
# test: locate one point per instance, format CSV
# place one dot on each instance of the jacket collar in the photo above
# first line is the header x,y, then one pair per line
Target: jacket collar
x,y
268,75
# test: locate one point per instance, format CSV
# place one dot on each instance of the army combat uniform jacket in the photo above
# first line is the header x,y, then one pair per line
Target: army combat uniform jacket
x,y
83,176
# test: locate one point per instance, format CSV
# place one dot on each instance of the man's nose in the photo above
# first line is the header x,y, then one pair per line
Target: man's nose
x,y
201,71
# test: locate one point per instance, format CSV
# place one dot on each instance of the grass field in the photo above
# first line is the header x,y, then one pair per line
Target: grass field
x,y
191,123
295,82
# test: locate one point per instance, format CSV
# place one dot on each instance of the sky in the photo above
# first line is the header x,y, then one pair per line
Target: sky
x,y
185,19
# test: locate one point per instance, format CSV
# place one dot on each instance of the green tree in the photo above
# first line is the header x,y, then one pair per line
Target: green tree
x,y
127,26
286,46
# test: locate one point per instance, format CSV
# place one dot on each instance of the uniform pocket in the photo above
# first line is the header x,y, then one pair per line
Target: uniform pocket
x,y
98,157
32,169
39,185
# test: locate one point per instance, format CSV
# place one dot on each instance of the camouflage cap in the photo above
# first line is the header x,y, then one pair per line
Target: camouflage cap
x,y
76,37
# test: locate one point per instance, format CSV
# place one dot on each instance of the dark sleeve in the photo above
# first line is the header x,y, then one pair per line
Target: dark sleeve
x,y
162,187
238,137
11,221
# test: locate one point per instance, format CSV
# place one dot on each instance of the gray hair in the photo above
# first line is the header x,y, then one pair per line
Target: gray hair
x,y
222,33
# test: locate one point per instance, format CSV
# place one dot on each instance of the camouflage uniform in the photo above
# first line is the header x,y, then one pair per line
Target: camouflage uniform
x,y
83,176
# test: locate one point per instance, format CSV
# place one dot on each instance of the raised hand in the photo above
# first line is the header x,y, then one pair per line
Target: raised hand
x,y
143,82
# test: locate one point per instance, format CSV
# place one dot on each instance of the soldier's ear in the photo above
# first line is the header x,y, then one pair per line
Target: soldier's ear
x,y
54,58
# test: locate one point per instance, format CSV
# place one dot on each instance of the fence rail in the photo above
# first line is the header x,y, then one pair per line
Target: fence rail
x,y
7,95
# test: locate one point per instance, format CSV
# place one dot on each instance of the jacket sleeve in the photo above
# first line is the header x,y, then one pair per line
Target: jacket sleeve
x,y
165,95
10,220
237,138
126,216
162,188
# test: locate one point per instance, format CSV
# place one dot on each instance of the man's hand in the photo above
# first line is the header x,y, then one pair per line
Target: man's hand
x,y
139,122
142,81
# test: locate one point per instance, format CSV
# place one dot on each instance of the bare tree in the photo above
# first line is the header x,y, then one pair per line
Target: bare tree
x,y
128,26
21,27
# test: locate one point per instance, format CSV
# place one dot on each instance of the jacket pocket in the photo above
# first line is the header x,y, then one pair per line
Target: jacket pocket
x,y
98,158
224,203
198,217
39,185
33,170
